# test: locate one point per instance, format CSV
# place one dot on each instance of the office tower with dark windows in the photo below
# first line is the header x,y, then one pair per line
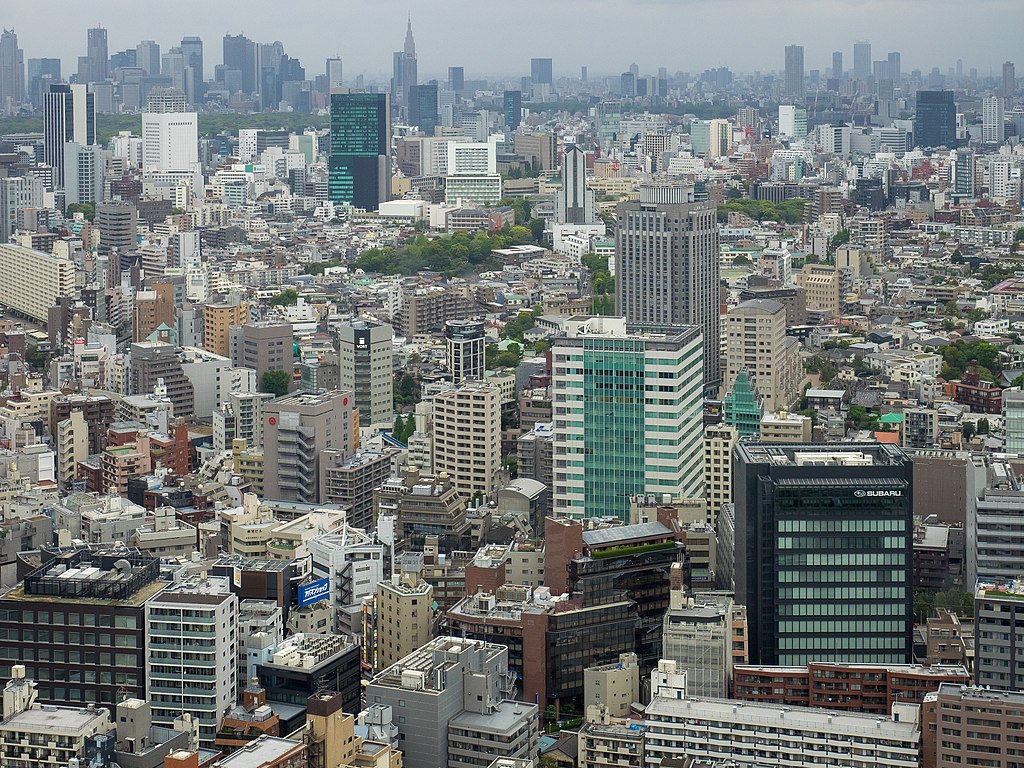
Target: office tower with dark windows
x,y
935,121
667,265
404,73
359,171
464,344
69,115
240,54
41,73
423,107
894,66
824,538
793,86
1009,89
456,78
513,103
192,49
540,72
147,57
12,73
862,60
574,203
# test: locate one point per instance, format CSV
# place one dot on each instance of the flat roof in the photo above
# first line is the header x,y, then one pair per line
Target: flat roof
x,y
260,752
623,533
54,719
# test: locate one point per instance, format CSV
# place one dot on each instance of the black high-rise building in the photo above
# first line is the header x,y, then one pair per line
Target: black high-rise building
x,y
513,103
240,54
824,563
456,78
423,107
359,170
540,71
935,121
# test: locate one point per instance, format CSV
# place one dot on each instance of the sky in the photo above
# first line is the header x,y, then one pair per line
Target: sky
x,y
492,37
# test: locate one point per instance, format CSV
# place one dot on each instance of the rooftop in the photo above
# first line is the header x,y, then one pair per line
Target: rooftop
x,y
63,721
260,752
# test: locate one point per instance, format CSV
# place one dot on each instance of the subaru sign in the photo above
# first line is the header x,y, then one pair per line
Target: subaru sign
x,y
314,592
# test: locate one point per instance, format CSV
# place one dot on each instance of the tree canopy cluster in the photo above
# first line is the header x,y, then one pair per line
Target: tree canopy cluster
x,y
790,211
450,255
961,355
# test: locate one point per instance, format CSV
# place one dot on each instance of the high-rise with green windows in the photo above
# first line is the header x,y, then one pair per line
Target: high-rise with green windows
x,y
824,543
359,168
628,416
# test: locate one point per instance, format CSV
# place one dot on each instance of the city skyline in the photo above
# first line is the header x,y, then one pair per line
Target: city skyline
x,y
984,39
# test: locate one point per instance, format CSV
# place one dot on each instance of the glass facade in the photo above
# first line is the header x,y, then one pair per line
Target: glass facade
x,y
741,408
935,121
359,166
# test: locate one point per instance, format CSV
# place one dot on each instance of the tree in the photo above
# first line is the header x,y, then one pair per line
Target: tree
x,y
286,298
841,238
275,382
983,426
967,430
86,209
408,390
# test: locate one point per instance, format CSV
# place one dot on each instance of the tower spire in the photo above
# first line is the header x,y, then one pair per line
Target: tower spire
x,y
410,44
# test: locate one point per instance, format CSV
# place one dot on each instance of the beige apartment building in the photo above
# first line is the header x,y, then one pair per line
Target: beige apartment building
x,y
33,281
405,617
467,437
822,284
756,342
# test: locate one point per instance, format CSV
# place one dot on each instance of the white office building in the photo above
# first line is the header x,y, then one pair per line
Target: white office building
x,y
992,130
170,141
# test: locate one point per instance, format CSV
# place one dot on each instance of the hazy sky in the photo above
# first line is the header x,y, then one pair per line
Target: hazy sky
x,y
490,37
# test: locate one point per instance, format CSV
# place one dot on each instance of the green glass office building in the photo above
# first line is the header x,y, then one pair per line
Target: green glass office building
x,y
359,168
824,541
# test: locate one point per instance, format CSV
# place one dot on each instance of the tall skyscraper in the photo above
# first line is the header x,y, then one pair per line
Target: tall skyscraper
x,y
793,85
992,129
540,72
68,115
364,358
935,121
456,78
240,54
667,265
83,173
147,57
359,170
824,540
1009,80
894,66
513,104
606,429
195,80
41,73
575,203
862,60
405,74
95,65
335,78
837,65
12,73
423,107
467,436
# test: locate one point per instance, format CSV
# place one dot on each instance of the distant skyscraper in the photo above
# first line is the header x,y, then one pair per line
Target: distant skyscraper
x,y
513,103
423,107
894,66
935,121
335,77
405,73
794,82
456,78
862,60
583,73
69,115
667,265
1009,80
12,72
41,72
837,65
93,67
147,57
192,48
992,129
360,161
575,203
240,54
540,71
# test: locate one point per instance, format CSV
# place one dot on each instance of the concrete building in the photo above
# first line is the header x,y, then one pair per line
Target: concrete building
x,y
963,725
366,369
995,511
614,687
298,429
170,141
700,634
349,481
607,743
467,437
609,417
999,629
464,349
785,427
455,697
719,440
204,609
240,417
33,281
263,346
756,341
305,664
683,727
822,285
219,318
353,561
416,505
405,617
155,368
667,265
